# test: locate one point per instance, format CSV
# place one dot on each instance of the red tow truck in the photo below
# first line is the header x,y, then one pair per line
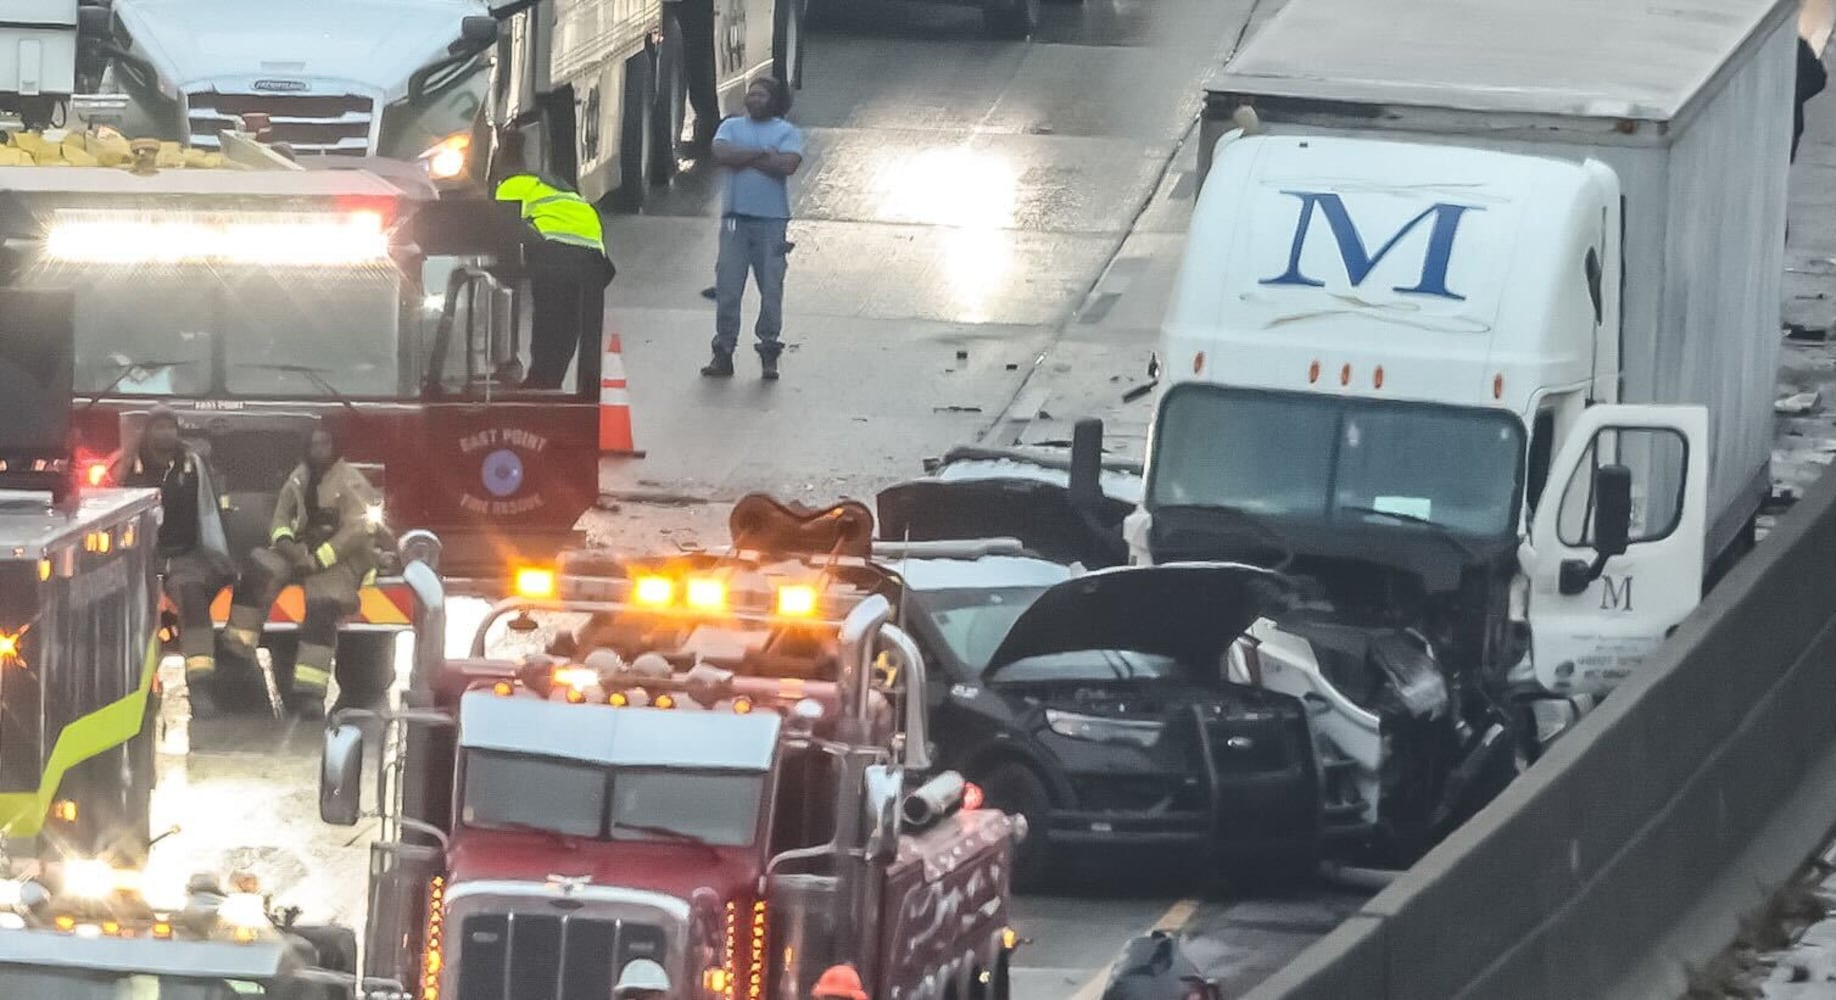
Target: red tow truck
x,y
728,774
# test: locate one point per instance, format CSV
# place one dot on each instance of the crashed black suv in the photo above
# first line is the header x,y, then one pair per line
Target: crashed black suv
x,y
1096,706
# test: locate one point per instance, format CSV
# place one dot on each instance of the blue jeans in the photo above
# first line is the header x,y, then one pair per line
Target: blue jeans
x,y
755,244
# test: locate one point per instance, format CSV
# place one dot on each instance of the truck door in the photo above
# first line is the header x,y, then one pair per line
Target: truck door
x,y
1594,612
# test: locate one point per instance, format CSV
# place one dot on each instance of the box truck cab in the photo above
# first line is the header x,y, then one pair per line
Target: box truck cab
x,y
1408,353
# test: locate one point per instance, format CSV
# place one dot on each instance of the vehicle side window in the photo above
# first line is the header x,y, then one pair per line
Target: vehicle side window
x,y
1659,461
803,811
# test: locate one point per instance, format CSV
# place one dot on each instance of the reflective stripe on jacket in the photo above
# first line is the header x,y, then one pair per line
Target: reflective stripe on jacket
x,y
560,215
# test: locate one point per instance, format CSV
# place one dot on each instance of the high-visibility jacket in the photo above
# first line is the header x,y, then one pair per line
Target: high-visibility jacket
x,y
560,215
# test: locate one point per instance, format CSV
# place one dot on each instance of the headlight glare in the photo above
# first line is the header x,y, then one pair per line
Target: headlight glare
x,y
1096,729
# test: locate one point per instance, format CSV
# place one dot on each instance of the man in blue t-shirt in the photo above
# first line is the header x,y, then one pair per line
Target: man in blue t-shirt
x,y
759,151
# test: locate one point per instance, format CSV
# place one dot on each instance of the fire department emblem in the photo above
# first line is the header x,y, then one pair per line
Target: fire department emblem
x,y
503,472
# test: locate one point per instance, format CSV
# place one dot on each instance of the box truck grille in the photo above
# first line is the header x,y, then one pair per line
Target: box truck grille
x,y
310,123
540,956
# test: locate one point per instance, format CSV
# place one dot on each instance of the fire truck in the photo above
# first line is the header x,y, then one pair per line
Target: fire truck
x,y
86,930
729,776
78,604
257,297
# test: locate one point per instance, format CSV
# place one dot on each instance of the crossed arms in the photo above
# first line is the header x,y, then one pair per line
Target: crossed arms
x,y
763,160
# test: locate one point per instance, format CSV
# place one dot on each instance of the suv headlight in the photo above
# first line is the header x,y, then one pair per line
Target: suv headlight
x,y
1096,729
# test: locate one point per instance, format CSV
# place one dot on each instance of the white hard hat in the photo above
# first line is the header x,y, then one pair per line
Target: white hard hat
x,y
641,974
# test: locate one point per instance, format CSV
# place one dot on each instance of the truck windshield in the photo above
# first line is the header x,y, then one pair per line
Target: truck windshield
x,y
576,799
192,331
74,984
1337,459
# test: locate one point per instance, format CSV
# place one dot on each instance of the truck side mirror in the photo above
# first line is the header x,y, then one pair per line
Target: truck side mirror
x,y
479,30
1612,509
1085,485
1612,529
341,776
94,22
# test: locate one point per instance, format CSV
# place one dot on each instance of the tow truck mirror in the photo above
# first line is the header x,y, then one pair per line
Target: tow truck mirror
x,y
341,776
1612,509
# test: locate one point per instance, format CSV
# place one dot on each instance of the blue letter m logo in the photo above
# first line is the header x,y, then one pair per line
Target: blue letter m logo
x,y
1360,262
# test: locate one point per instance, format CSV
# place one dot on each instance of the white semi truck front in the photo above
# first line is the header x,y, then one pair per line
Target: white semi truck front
x,y
388,78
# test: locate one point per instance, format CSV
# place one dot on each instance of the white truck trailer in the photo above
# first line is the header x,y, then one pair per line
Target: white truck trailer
x,y
1477,332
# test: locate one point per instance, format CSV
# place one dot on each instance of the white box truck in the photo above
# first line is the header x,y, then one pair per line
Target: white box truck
x,y
1476,334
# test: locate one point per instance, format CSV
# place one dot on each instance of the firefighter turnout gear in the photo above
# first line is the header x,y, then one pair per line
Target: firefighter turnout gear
x,y
321,540
568,274
194,560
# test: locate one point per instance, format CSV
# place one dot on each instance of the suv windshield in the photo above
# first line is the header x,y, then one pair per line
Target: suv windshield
x,y
591,801
972,623
84,984
188,330
1337,459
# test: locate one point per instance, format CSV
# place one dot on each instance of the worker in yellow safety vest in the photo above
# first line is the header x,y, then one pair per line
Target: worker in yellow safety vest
x,y
568,267
322,540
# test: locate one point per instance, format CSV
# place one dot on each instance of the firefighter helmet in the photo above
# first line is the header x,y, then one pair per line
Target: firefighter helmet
x,y
641,976
839,982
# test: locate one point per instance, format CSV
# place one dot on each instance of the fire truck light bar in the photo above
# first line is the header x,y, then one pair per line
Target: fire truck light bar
x,y
321,239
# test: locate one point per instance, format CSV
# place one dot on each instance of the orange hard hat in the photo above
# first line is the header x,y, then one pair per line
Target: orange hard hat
x,y
839,982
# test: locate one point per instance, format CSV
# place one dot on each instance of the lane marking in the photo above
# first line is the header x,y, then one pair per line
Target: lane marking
x,y
1173,921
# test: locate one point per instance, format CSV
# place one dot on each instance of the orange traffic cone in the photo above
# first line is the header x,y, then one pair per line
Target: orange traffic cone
x,y
615,405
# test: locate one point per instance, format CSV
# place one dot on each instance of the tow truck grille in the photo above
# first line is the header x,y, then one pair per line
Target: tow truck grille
x,y
539,956
317,123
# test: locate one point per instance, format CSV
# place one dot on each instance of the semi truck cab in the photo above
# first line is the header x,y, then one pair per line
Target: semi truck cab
x,y
728,776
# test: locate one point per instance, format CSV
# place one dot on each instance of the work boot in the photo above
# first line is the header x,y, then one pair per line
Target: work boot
x,y
768,367
200,680
720,367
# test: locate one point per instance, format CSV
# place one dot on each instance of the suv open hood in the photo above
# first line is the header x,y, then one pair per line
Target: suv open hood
x,y
1187,611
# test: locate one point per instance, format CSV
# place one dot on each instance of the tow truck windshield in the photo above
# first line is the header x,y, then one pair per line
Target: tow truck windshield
x,y
591,801
197,331
72,984
1321,458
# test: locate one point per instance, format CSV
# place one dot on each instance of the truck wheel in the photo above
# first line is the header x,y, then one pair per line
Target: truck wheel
x,y
671,107
635,132
787,42
1014,788
1010,19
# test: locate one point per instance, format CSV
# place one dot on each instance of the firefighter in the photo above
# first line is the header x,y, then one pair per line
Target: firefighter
x,y
194,557
839,982
321,540
642,979
568,266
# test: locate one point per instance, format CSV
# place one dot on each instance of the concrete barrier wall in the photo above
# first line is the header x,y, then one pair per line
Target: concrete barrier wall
x,y
1636,845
